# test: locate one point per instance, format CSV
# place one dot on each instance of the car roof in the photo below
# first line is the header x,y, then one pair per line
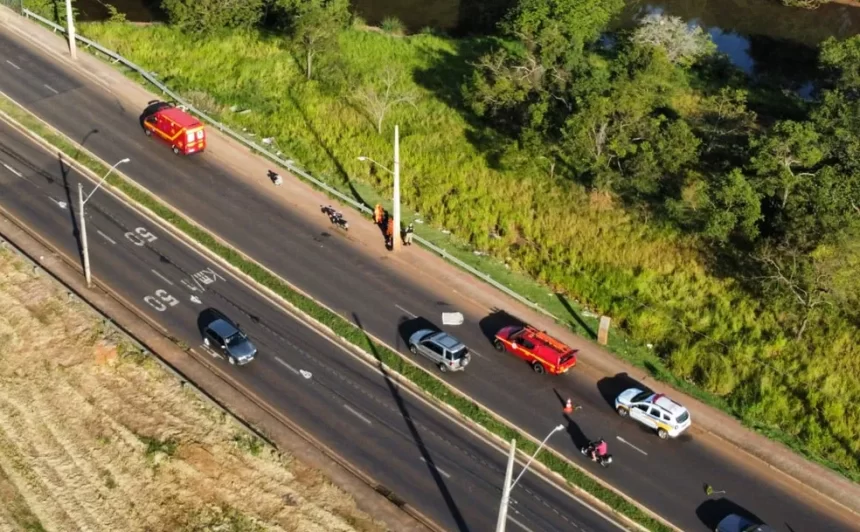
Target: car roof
x,y
666,404
545,346
223,328
180,117
447,341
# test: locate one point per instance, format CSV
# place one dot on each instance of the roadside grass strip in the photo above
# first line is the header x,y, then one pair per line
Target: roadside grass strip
x,y
340,326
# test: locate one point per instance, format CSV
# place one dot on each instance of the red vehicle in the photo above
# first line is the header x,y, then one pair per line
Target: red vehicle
x,y
183,132
544,353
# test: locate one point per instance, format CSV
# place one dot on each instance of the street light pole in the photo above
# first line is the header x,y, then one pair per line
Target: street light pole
x,y
395,244
509,486
70,29
506,492
83,220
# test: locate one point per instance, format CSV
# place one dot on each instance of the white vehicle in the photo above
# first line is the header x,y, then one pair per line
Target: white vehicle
x,y
654,410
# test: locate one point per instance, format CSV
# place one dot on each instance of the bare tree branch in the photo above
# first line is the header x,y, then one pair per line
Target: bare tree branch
x,y
377,100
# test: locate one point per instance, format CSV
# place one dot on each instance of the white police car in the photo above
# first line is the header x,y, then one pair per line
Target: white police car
x,y
654,410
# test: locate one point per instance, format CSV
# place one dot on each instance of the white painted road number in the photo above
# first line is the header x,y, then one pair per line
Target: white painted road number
x,y
158,301
140,236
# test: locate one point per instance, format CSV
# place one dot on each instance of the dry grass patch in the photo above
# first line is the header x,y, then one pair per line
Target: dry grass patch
x,y
94,438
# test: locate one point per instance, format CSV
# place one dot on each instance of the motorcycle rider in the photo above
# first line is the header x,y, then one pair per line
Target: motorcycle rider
x,y
598,449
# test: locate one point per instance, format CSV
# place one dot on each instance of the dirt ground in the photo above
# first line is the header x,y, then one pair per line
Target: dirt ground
x,y
94,435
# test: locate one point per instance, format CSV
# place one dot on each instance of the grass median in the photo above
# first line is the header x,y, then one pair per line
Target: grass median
x,y
342,327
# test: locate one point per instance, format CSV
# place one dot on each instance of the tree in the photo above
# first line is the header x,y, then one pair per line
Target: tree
x,y
726,120
314,25
378,98
683,43
202,16
734,207
786,155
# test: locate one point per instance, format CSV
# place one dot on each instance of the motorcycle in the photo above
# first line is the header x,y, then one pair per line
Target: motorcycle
x,y
335,217
603,460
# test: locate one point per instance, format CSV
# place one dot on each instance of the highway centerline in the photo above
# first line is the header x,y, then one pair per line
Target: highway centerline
x,y
622,440
357,414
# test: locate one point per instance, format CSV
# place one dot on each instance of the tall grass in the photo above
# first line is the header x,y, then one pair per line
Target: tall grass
x,y
709,336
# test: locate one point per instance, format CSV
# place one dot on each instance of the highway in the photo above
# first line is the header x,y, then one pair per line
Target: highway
x,y
666,476
425,458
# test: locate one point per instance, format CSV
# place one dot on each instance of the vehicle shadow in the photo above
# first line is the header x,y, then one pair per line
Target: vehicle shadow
x,y
610,387
712,511
410,326
495,321
416,436
577,437
152,107
206,317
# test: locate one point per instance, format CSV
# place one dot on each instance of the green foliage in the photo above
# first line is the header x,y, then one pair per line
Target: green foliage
x,y
682,43
393,25
314,26
735,207
206,16
804,4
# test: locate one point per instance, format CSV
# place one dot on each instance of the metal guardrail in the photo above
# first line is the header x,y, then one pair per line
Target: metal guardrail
x,y
288,164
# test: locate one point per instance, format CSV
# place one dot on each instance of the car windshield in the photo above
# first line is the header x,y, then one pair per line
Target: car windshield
x,y
460,353
683,417
235,339
641,396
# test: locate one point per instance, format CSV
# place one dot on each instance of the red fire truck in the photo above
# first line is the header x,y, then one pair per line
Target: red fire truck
x,y
544,353
183,132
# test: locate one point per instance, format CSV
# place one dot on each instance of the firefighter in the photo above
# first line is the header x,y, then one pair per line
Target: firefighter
x,y
389,234
377,214
407,235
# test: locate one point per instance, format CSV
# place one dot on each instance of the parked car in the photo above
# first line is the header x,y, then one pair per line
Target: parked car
x,y
544,353
224,337
441,348
737,523
654,410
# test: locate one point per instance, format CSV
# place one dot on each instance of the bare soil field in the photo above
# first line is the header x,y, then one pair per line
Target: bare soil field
x,y
95,435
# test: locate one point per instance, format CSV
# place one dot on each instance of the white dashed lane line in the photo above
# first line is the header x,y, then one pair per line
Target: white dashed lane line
x,y
52,89
406,311
439,469
163,278
289,367
622,440
357,414
16,172
16,67
109,239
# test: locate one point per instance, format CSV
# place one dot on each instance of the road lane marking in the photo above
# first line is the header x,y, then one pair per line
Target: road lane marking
x,y
357,414
524,527
439,469
289,367
109,239
163,278
60,204
406,311
622,440
16,172
476,353
14,65
52,89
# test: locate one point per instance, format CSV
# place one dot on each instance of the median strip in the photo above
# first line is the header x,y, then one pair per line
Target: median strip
x,y
427,382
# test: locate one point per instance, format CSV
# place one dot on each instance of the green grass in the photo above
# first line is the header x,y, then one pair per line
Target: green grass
x,y
343,328
711,339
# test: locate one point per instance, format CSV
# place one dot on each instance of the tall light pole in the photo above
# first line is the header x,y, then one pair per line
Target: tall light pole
x,y
509,486
70,29
396,199
83,223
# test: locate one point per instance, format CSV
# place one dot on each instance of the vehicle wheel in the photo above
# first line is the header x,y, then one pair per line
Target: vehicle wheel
x,y
176,150
232,361
443,368
413,349
662,433
538,367
147,132
498,345
622,411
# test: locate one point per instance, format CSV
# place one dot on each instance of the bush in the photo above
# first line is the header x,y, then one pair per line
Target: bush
x,y
203,16
393,25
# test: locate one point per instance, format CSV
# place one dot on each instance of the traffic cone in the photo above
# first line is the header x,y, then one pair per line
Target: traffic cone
x,y
568,407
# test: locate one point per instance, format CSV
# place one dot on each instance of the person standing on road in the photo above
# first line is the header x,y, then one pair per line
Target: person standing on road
x,y
389,234
407,235
377,214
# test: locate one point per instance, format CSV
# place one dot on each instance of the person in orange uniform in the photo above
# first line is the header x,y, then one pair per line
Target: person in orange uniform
x,y
377,214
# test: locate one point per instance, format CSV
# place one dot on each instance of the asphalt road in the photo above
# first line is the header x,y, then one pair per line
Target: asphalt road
x,y
425,458
666,476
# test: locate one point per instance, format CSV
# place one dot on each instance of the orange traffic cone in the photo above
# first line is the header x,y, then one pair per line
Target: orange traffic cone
x,y
568,407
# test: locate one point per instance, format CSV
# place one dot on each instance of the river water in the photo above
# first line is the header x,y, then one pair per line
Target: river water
x,y
758,35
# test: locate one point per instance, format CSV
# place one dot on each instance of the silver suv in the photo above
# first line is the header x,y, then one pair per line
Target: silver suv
x,y
441,348
224,336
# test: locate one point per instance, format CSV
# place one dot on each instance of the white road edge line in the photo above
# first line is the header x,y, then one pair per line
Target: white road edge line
x,y
52,89
109,239
439,469
406,311
13,64
622,440
163,278
289,367
524,527
16,172
357,414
